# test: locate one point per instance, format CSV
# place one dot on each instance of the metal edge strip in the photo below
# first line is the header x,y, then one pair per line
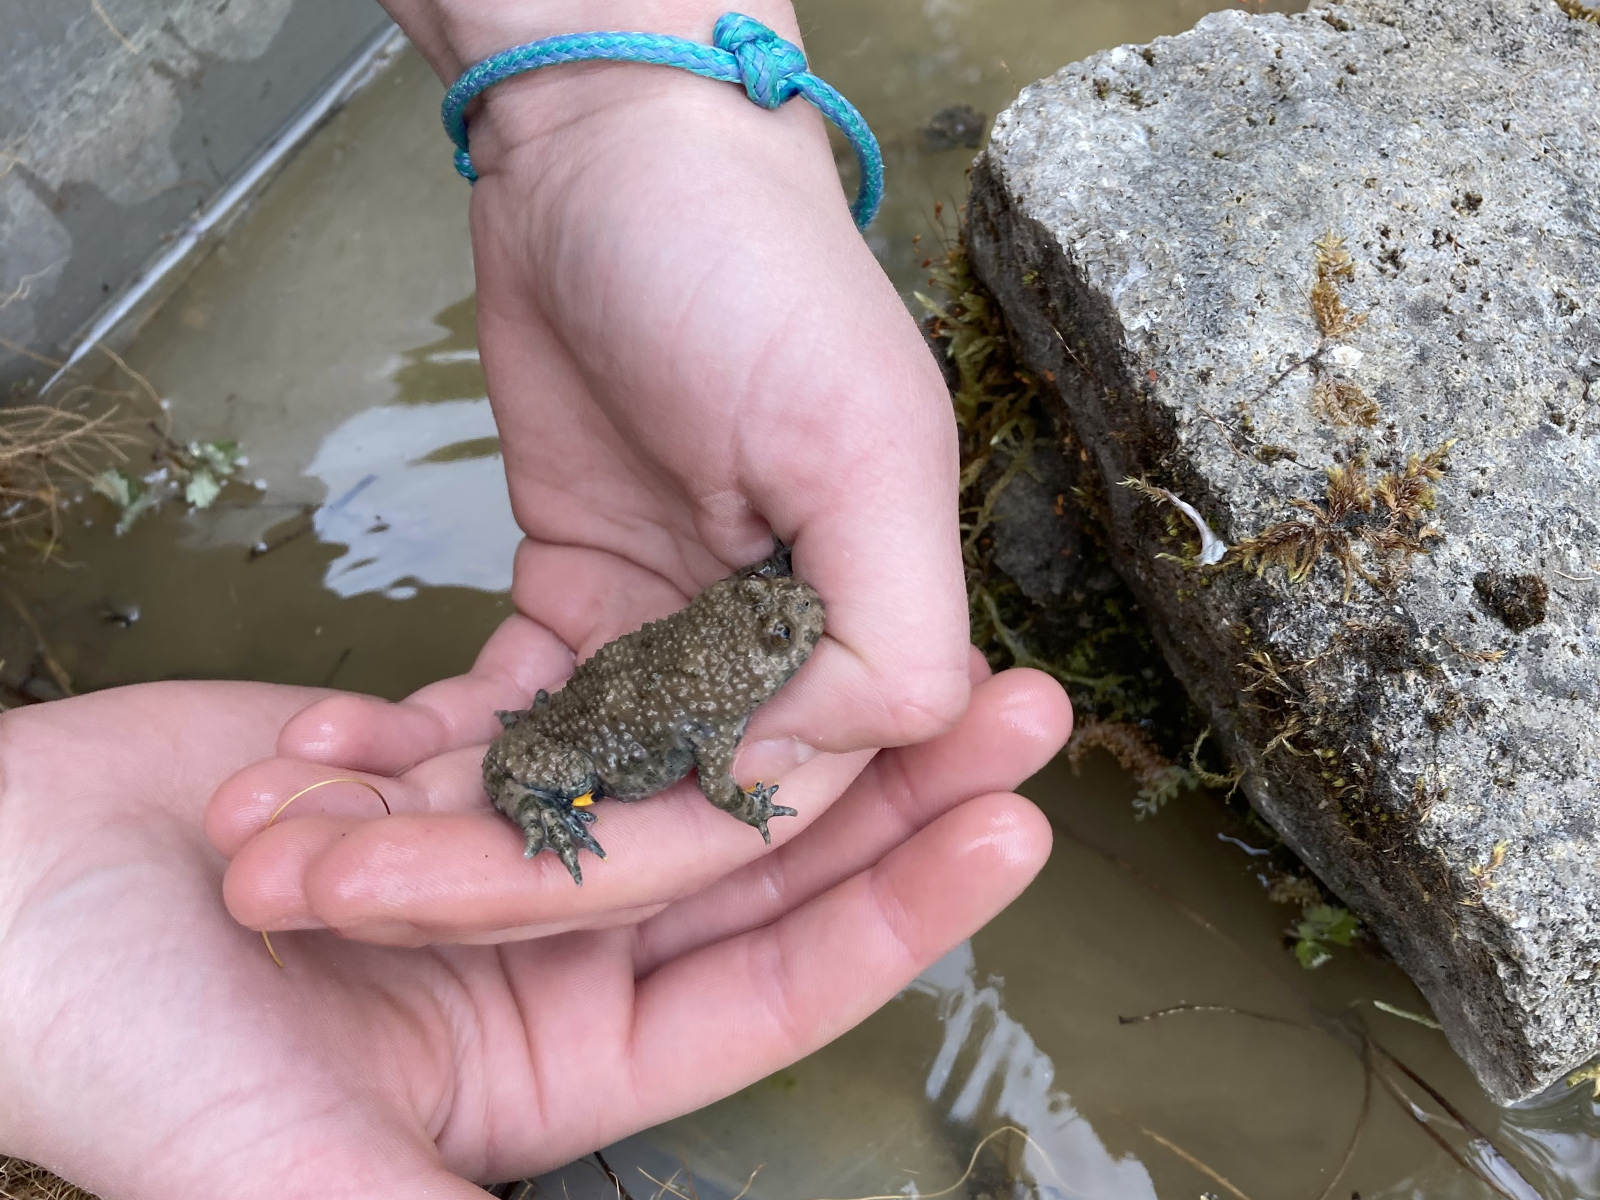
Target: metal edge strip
x,y
217,214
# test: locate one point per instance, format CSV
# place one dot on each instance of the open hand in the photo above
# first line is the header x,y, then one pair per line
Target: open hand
x,y
152,1049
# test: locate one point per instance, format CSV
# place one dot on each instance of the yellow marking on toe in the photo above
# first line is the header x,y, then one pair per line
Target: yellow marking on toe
x,y
584,800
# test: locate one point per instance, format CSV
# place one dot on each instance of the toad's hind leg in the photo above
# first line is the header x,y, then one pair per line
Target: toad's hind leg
x,y
713,759
546,821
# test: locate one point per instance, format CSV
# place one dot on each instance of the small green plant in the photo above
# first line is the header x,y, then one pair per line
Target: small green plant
x,y
1322,927
195,472
1105,656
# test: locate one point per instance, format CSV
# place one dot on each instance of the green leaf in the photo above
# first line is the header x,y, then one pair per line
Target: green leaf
x,y
201,489
1331,924
220,458
142,503
1324,925
1311,954
115,487
1397,1011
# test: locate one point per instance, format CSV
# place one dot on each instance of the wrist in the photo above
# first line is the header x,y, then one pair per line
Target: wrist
x,y
454,34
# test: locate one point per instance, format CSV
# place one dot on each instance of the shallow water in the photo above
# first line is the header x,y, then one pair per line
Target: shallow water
x,y
332,335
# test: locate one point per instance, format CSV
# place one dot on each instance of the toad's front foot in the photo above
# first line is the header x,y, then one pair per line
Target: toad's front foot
x,y
560,826
757,808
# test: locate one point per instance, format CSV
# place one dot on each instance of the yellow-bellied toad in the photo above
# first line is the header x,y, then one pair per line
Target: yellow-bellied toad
x,y
650,706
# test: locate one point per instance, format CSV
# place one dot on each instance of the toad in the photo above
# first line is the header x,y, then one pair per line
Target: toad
x,y
650,706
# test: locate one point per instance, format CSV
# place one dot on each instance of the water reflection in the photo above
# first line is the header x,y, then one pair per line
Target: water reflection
x,y
419,499
990,1071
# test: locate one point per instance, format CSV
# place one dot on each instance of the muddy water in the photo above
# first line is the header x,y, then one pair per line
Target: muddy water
x,y
369,547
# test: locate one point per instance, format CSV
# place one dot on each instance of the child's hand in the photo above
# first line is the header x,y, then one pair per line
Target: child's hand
x,y
150,1047
689,347
447,868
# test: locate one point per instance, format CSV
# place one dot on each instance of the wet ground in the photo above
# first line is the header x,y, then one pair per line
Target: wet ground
x,y
369,547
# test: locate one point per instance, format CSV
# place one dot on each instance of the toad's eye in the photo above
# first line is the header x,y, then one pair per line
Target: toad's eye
x,y
779,635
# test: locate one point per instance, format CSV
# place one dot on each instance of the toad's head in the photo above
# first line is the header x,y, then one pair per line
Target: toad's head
x,y
787,620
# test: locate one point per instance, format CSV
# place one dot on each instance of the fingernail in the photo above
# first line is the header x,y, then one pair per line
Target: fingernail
x,y
769,761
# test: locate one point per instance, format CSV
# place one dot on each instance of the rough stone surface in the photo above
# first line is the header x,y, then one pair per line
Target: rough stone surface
x,y
1430,744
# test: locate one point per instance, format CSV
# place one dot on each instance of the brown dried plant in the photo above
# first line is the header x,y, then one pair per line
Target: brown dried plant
x,y
1278,689
1327,306
1580,12
1386,520
21,1180
1133,748
47,448
1341,402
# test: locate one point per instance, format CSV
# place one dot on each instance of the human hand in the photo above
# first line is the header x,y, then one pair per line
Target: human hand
x,y
689,347
151,1049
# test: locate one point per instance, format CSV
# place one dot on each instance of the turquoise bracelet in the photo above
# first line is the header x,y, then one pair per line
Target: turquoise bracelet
x,y
744,50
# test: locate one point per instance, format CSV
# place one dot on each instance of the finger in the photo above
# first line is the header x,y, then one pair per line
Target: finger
x,y
367,734
874,516
716,1020
461,876
1017,722
290,789
268,889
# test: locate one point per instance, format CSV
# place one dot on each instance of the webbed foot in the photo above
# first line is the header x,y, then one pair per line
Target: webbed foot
x,y
757,808
559,825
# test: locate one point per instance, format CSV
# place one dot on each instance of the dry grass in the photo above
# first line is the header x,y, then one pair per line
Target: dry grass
x,y
47,450
23,1181
51,450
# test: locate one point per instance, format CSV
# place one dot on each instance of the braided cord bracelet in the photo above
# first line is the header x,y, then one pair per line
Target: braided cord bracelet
x,y
772,70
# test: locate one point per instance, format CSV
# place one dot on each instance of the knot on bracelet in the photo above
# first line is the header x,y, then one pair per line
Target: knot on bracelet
x,y
770,67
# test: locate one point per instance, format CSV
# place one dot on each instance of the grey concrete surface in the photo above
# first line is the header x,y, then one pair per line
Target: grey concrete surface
x,y
1149,219
119,119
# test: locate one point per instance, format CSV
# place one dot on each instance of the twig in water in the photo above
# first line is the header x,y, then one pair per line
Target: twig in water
x,y
664,1188
1394,1010
1361,1125
1480,1140
972,1165
57,671
1345,1034
1210,1008
338,665
304,522
749,1183
1192,1161
622,1192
